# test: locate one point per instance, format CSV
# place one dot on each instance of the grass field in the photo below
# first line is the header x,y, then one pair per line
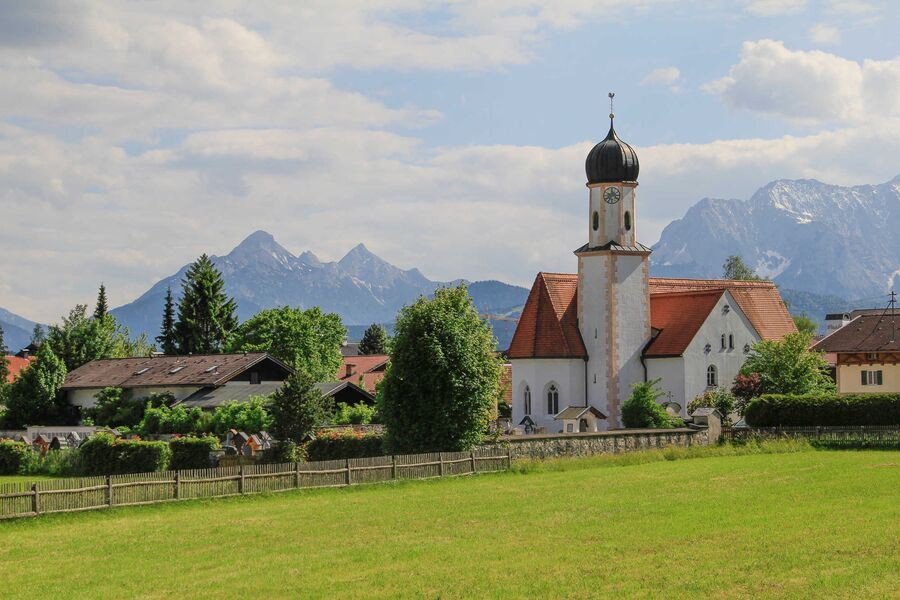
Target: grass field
x,y
808,524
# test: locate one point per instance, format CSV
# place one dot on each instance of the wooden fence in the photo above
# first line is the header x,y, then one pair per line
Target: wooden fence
x,y
91,493
886,436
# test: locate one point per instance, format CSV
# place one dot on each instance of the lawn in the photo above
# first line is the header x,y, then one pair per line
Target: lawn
x,y
809,524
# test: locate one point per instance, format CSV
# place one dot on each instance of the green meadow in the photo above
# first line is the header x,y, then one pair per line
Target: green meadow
x,y
791,525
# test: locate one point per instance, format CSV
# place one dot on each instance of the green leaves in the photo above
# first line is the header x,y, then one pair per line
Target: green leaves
x,y
308,340
641,410
787,366
34,396
375,340
443,383
298,407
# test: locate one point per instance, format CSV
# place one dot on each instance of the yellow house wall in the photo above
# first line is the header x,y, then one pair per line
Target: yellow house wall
x,y
849,379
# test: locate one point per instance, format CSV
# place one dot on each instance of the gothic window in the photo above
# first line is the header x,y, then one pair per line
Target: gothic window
x,y
627,221
712,376
552,399
527,397
596,221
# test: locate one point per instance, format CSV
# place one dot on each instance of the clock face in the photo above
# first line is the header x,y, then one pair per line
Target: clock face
x,y
612,195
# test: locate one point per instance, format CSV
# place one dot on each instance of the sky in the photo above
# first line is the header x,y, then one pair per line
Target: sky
x,y
448,136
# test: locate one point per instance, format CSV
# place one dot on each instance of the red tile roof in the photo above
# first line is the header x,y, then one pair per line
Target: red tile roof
x,y
16,365
192,370
369,367
548,327
759,300
678,316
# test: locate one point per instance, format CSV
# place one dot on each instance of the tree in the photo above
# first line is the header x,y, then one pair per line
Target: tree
x,y
642,410
718,398
81,339
206,316
4,370
374,340
34,396
298,407
38,335
166,339
443,384
788,366
308,340
805,324
101,307
736,268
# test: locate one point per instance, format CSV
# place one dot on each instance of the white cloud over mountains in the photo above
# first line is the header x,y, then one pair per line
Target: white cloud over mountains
x,y
135,136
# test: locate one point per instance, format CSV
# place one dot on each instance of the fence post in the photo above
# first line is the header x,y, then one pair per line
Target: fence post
x,y
393,466
177,485
441,459
296,475
241,479
474,467
35,499
348,471
509,457
109,491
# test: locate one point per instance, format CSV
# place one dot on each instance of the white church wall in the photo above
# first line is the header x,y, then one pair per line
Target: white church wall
x,y
671,373
727,361
633,328
593,321
538,374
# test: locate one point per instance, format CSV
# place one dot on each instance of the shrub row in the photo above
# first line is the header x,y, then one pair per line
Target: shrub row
x,y
11,456
192,452
333,444
103,454
788,410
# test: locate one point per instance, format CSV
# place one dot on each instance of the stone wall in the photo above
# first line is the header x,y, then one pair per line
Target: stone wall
x,y
586,444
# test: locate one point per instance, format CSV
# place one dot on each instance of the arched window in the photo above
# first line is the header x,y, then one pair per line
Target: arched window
x,y
596,221
723,341
627,221
527,398
731,341
712,376
552,399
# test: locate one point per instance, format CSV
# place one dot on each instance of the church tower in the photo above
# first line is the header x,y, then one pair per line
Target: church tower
x,y
613,278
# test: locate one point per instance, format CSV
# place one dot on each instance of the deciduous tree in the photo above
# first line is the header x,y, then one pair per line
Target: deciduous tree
x,y
443,383
788,366
308,340
34,397
736,268
206,316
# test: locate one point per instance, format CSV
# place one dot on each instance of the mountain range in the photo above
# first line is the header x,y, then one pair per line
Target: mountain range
x,y
829,248
361,287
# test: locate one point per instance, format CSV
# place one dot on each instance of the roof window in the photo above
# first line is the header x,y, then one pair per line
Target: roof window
x,y
212,369
142,371
176,369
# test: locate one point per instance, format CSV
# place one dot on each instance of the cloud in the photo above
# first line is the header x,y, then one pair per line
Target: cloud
x,y
669,76
823,34
775,8
857,8
810,87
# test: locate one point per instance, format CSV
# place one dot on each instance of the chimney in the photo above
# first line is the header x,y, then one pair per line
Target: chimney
x,y
349,367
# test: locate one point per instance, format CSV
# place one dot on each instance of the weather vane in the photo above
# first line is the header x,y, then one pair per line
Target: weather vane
x,y
611,96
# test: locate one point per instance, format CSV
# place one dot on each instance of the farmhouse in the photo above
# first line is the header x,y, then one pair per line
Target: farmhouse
x,y
237,375
867,353
15,365
584,338
364,370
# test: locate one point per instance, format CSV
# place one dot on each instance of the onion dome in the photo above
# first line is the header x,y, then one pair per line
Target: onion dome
x,y
611,160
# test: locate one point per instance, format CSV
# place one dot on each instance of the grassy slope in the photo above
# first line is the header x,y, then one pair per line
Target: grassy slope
x,y
806,524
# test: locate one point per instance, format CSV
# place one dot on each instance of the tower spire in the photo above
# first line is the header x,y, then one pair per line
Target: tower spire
x,y
611,113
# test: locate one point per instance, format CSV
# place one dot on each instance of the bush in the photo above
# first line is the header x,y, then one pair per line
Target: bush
x,y
11,456
65,462
118,408
642,411
102,454
284,452
330,444
358,414
718,398
192,452
251,416
772,410
178,419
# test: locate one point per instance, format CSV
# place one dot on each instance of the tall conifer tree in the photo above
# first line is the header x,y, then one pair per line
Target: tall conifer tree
x,y
205,314
166,338
102,307
4,364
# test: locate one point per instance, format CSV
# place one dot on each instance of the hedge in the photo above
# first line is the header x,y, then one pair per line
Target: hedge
x,y
192,452
334,444
11,455
790,410
102,454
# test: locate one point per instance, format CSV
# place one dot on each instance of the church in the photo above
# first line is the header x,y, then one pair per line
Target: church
x,y
585,338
